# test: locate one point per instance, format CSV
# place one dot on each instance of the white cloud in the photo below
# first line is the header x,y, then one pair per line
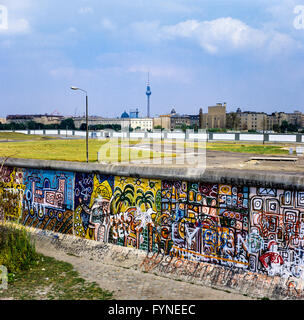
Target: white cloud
x,y
282,44
221,36
282,13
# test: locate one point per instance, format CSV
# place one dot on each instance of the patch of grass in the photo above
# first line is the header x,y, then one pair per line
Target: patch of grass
x,y
22,136
247,148
17,252
232,146
50,279
72,150
32,276
75,149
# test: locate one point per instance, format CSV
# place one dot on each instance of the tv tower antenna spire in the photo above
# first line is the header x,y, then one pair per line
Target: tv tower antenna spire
x,y
148,94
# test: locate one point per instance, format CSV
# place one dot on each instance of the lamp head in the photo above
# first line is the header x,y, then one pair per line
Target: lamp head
x,y
74,88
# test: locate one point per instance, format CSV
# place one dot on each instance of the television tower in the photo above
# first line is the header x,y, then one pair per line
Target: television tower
x,y
148,94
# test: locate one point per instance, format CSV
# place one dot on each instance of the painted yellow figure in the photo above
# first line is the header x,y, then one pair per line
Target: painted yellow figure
x,y
11,193
98,211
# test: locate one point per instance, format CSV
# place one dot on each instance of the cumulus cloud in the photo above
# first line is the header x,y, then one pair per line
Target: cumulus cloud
x,y
222,36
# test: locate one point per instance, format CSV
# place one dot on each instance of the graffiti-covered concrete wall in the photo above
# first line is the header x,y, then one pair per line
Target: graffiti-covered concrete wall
x,y
244,226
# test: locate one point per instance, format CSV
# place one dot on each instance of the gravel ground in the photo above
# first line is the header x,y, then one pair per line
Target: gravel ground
x,y
129,284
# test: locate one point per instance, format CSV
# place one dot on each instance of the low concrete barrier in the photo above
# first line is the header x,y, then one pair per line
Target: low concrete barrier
x,y
188,135
239,229
199,273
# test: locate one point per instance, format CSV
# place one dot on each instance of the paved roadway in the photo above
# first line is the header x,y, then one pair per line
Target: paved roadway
x,y
222,159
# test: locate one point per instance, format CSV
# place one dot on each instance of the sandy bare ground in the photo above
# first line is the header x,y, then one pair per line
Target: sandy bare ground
x,y
129,284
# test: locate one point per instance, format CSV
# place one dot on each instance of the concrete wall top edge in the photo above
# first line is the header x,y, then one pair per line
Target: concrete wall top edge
x,y
288,180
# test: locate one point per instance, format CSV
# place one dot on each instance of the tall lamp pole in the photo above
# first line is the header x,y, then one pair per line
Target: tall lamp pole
x,y
87,121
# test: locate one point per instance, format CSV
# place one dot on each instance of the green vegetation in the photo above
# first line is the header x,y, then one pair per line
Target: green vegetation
x,y
51,279
67,124
32,125
73,150
6,136
46,148
286,127
64,124
17,252
241,147
115,127
32,276
248,148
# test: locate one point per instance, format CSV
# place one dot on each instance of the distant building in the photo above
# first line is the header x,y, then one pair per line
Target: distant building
x,y
179,120
2,120
125,115
260,121
201,118
124,121
38,118
215,118
276,119
163,121
134,113
255,121
144,124
296,118
92,120
194,120
148,94
174,120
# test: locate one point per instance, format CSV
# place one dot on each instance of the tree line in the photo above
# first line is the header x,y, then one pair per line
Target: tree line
x,y
66,124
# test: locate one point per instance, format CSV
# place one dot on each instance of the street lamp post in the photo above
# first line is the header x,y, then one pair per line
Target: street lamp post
x,y
87,121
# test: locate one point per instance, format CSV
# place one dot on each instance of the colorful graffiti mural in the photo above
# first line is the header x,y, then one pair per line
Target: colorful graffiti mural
x,y
207,220
277,221
11,193
48,200
136,208
92,198
257,229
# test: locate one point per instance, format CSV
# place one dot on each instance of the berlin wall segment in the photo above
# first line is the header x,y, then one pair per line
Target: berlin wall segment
x,y
180,224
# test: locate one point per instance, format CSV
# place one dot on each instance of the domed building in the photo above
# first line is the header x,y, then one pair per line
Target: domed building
x,y
125,115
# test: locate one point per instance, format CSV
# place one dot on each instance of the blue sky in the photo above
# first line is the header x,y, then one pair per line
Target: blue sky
x,y
246,53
